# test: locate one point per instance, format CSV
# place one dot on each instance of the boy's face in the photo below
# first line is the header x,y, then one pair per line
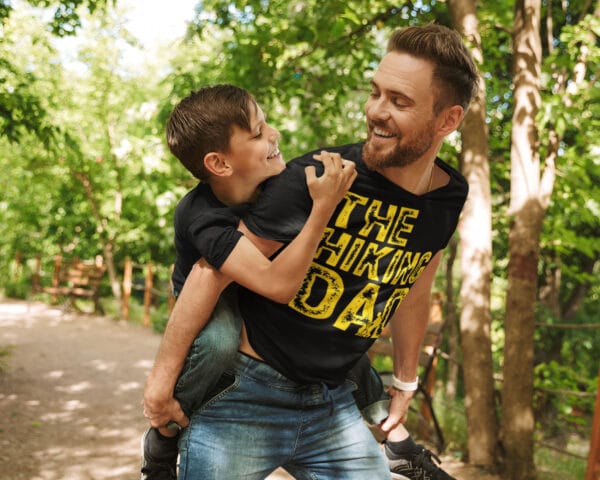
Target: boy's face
x,y
254,155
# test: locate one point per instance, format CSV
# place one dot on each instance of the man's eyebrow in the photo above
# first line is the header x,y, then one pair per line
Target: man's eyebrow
x,y
393,93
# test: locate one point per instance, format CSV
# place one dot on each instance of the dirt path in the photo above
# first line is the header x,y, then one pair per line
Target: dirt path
x,y
70,396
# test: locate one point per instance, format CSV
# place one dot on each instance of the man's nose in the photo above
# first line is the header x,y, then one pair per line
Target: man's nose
x,y
378,109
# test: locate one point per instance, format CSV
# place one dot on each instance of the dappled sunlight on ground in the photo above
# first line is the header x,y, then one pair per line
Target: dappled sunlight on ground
x,y
71,394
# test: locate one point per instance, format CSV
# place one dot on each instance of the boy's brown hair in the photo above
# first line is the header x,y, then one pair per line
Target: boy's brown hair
x,y
203,122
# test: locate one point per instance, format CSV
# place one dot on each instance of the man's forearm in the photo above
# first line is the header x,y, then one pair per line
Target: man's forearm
x,y
192,311
410,322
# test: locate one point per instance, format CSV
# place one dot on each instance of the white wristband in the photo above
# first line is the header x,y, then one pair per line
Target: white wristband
x,y
405,386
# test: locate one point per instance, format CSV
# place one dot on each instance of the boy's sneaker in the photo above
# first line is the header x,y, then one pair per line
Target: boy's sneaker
x,y
163,467
418,465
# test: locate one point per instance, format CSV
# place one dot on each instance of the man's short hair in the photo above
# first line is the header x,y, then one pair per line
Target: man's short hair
x,y
455,74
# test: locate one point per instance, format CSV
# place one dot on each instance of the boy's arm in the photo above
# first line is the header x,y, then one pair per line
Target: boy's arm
x,y
190,314
280,279
408,327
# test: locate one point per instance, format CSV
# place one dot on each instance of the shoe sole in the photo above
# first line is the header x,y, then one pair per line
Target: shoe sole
x,y
397,476
142,442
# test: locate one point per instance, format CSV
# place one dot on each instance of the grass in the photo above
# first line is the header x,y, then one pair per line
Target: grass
x,y
5,352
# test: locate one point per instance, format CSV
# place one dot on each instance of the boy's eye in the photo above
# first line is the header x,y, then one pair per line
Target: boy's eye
x,y
258,134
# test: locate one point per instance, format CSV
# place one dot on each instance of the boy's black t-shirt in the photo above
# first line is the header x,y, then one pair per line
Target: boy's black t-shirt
x,y
376,244
204,227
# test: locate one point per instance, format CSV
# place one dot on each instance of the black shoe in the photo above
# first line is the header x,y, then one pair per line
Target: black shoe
x,y
158,467
417,465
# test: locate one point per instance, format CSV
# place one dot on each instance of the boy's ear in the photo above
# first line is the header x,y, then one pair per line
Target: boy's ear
x,y
217,165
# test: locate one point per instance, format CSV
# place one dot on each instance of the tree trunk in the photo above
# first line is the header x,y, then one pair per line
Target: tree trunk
x,y
476,258
113,275
528,211
451,321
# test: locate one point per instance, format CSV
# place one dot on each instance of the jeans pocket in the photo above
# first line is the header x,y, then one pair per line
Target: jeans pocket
x,y
227,383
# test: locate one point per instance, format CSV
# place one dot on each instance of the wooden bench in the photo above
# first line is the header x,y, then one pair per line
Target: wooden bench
x,y
428,358
77,279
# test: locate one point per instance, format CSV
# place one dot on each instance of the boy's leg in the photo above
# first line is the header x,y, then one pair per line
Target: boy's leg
x,y
213,350
371,398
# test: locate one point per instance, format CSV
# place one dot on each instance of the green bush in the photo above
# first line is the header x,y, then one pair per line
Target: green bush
x,y
17,288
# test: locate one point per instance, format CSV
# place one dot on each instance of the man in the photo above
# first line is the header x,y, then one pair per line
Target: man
x,y
286,401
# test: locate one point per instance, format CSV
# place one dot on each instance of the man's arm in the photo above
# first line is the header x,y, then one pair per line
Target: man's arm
x,y
192,311
408,327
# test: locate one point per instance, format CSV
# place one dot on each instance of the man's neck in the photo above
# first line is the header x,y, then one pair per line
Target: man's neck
x,y
416,178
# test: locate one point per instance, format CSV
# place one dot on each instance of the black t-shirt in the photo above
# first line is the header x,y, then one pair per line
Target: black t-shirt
x,y
204,227
376,244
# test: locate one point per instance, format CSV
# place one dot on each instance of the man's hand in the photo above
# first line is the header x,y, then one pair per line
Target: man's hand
x,y
161,411
398,409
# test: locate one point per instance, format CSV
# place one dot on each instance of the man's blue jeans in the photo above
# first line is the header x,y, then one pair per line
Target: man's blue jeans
x,y
259,421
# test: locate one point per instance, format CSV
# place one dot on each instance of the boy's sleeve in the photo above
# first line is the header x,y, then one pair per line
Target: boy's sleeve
x,y
214,235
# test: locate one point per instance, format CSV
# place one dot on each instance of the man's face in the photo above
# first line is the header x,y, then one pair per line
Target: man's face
x,y
254,155
399,111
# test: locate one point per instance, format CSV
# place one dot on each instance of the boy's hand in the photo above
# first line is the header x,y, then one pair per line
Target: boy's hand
x,y
338,175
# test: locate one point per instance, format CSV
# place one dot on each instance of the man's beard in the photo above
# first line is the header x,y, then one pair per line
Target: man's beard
x,y
405,151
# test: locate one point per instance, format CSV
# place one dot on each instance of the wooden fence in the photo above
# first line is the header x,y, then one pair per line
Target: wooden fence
x,y
63,278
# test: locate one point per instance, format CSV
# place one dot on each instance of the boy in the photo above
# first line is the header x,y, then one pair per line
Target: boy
x,y
221,136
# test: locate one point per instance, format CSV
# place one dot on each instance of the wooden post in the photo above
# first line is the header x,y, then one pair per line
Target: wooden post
x,y
35,281
148,294
436,318
56,276
127,276
592,471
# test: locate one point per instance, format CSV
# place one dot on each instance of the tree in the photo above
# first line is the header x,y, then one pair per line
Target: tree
x,y
476,255
530,196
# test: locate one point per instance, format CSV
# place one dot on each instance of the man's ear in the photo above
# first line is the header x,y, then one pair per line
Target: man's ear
x,y
450,119
217,164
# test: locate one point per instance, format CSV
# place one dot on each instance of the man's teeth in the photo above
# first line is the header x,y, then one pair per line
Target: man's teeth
x,y
274,154
382,133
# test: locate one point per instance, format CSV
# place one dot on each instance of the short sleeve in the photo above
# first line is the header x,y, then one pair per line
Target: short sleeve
x,y
214,235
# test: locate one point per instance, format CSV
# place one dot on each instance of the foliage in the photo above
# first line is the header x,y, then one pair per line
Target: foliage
x,y
17,288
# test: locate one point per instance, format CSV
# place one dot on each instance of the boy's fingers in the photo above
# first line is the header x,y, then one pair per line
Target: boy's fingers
x,y
310,173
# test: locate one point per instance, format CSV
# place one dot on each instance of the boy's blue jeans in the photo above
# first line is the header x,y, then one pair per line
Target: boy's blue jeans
x,y
259,420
